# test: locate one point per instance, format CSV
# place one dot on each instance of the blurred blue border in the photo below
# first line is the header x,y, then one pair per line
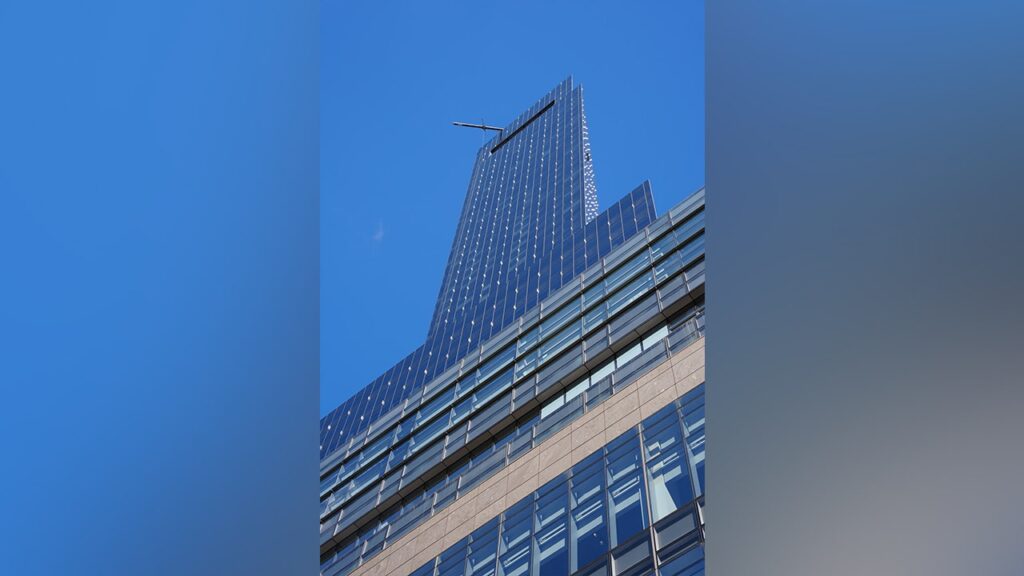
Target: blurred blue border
x,y
159,231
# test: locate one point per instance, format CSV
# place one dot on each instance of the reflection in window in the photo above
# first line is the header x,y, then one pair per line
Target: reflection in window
x,y
668,472
482,555
453,561
515,541
552,534
590,538
626,494
695,443
689,564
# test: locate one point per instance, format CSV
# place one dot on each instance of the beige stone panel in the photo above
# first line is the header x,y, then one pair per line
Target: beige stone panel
x,y
658,402
460,513
451,533
489,511
554,448
394,556
690,382
586,428
495,485
496,492
458,528
616,428
430,531
689,363
522,469
589,447
521,489
621,405
422,557
656,384
547,473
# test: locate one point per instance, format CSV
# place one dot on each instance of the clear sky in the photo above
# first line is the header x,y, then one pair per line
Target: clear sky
x,y
394,171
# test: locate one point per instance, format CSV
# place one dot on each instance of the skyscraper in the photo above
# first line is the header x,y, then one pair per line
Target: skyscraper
x,y
552,421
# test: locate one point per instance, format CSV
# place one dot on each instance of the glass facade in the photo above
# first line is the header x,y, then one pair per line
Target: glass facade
x,y
634,507
532,330
529,225
553,415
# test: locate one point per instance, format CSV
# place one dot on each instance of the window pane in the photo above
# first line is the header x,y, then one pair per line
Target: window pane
x,y
627,355
453,561
526,364
689,564
552,535
590,538
515,547
558,319
481,559
626,495
577,389
654,337
695,443
603,371
559,341
627,270
668,472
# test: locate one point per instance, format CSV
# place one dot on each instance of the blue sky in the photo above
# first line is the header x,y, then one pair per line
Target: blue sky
x,y
394,172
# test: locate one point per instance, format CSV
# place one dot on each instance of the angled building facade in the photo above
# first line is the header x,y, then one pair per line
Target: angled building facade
x,y
552,421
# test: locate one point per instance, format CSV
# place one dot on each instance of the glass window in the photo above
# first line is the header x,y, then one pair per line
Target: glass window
x,y
633,557
676,533
494,364
433,408
526,364
627,270
626,494
328,482
428,433
577,389
695,444
482,556
595,317
655,337
552,406
692,249
515,544
376,448
689,564
627,354
589,527
668,472
453,560
462,409
526,341
630,292
552,534
668,266
664,245
695,417
593,294
559,341
492,388
603,371
363,480
560,317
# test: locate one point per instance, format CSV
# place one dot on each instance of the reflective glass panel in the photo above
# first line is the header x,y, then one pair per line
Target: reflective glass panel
x,y
626,495
552,535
